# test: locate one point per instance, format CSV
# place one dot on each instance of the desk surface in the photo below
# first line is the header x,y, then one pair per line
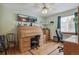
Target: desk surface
x,y
73,39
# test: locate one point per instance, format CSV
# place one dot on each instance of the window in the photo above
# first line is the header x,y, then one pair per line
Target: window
x,y
68,24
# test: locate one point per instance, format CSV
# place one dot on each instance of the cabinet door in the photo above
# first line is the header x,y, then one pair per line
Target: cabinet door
x,y
74,49
67,48
24,44
71,48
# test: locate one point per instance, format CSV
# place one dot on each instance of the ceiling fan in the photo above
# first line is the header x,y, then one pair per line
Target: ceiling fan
x,y
44,9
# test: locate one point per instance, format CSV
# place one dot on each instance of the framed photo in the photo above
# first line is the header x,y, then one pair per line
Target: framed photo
x,y
25,18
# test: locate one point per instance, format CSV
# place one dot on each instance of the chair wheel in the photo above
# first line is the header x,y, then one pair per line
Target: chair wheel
x,y
60,50
58,47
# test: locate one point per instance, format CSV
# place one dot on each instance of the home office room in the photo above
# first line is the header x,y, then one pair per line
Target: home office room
x,y
39,28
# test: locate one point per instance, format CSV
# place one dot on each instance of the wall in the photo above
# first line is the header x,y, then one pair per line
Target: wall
x,y
53,27
1,18
8,20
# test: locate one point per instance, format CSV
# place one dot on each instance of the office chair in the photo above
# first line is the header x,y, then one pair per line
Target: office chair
x,y
35,42
59,35
60,39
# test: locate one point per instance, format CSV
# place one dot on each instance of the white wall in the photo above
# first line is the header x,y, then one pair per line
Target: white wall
x,y
54,18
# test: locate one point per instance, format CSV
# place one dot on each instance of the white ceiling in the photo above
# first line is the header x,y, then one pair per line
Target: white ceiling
x,y
35,8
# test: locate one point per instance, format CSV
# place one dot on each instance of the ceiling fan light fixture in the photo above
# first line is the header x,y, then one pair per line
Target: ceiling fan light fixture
x,y
44,10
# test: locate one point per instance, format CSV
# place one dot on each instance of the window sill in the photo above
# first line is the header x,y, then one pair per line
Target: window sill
x,y
70,33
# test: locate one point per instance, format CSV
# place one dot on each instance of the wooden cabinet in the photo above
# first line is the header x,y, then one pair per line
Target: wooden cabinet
x,y
46,33
71,48
24,44
24,37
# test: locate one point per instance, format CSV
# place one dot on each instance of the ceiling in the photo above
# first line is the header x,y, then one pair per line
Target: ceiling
x,y
35,8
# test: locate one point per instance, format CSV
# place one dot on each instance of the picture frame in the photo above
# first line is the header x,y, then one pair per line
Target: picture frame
x,y
25,18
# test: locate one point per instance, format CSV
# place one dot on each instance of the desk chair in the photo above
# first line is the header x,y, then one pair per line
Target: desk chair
x,y
60,39
59,35
35,42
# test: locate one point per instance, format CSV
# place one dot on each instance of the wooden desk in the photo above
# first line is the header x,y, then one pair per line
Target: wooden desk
x,y
71,46
25,33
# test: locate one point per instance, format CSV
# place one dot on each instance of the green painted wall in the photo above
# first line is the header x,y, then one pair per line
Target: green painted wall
x,y
8,20
54,18
1,14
